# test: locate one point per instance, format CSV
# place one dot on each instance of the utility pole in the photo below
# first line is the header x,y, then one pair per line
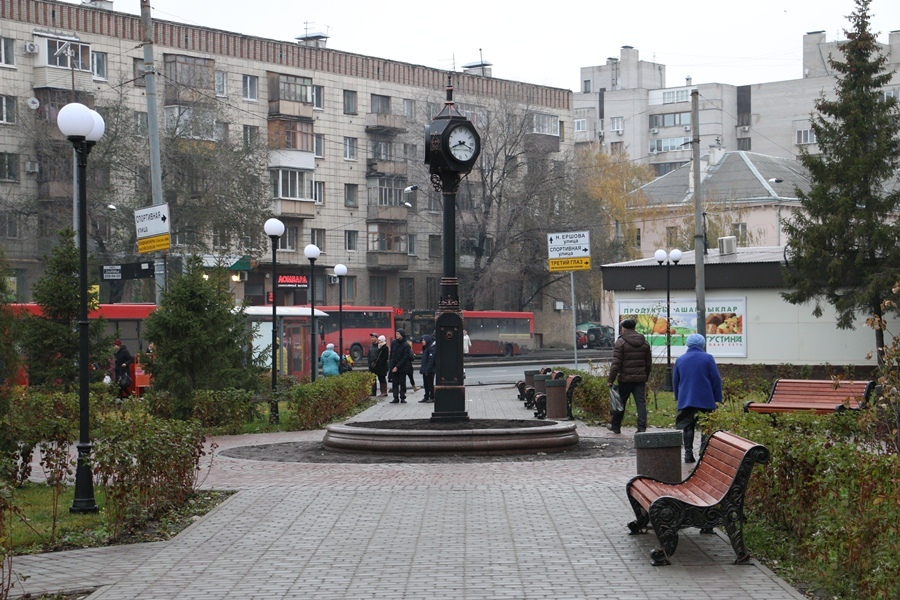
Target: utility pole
x,y
153,132
699,272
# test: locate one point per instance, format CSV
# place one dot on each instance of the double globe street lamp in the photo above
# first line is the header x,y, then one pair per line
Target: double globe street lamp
x,y
669,259
274,228
84,128
312,252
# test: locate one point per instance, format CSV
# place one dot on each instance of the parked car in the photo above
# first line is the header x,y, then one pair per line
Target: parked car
x,y
600,337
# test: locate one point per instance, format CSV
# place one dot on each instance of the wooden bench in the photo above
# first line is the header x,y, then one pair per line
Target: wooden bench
x,y
819,396
712,496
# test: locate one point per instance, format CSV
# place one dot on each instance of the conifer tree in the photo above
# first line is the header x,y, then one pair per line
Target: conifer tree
x,y
844,243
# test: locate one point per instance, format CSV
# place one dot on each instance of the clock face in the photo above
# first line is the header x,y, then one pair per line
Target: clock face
x,y
462,143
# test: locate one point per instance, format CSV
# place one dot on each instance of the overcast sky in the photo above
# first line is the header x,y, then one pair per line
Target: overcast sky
x,y
547,43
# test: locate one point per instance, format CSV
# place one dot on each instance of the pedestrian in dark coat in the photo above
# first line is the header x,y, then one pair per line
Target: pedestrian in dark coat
x,y
631,364
698,389
400,365
123,360
427,368
381,364
372,358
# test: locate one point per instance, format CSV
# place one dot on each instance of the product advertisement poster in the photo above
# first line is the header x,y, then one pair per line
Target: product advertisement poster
x,y
724,324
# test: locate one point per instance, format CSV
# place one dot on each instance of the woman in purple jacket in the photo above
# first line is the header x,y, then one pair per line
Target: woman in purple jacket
x,y
698,388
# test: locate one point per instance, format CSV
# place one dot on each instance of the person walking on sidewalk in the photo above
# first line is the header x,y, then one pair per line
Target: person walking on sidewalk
x,y
412,355
698,389
427,368
381,364
631,364
372,359
400,366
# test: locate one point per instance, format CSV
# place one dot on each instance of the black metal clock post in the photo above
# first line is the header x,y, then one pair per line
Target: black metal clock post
x,y
452,146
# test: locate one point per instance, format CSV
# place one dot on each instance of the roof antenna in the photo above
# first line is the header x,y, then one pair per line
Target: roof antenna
x,y
481,58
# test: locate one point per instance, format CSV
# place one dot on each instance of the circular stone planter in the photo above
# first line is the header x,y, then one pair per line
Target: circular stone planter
x,y
476,436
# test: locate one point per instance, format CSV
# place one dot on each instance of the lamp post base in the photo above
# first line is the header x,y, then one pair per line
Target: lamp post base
x,y
84,483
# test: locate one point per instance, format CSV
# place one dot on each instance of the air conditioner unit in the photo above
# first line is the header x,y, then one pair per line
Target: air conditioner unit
x,y
32,166
31,48
558,305
620,132
332,279
745,128
654,130
727,245
242,275
687,127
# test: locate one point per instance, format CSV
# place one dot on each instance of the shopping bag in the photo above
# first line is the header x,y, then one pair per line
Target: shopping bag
x,y
615,401
124,382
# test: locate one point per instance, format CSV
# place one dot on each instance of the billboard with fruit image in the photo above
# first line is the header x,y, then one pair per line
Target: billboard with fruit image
x,y
723,326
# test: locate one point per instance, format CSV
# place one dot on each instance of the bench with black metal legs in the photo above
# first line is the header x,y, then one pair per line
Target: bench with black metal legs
x,y
819,396
572,382
712,496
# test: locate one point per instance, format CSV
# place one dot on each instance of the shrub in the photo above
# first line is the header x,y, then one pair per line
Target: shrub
x,y
228,409
322,401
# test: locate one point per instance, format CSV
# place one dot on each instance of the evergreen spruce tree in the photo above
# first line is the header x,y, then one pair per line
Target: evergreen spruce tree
x,y
201,341
844,245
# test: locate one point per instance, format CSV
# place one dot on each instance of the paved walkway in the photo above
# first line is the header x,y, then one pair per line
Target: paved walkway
x,y
542,529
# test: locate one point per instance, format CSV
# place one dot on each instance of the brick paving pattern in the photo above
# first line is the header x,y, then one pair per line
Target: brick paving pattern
x,y
542,529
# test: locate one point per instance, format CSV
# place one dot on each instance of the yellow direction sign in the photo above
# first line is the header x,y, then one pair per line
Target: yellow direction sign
x,y
154,244
582,263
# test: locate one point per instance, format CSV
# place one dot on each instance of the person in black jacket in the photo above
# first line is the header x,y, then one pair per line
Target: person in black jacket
x,y
400,366
372,358
381,364
123,360
427,368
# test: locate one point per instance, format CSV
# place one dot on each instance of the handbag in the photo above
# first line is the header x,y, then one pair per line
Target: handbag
x,y
615,400
124,381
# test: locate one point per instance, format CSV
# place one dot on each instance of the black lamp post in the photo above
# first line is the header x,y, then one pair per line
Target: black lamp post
x,y
340,270
312,253
83,127
669,258
274,229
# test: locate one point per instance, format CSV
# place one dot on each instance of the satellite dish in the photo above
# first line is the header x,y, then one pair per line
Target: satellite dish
x,y
33,103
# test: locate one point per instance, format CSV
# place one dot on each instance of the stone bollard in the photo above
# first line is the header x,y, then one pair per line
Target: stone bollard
x,y
556,399
540,383
529,377
659,454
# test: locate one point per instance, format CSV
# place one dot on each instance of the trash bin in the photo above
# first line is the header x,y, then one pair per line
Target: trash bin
x,y
556,399
529,377
659,454
540,383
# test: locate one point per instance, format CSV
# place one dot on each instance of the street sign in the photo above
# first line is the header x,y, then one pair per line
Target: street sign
x,y
154,244
152,221
112,272
572,244
581,263
138,270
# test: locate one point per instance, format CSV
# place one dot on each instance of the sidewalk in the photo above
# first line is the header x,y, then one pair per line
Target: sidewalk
x,y
542,529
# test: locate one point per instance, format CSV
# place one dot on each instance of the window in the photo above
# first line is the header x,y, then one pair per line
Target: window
x,y
676,96
319,145
251,136
580,125
617,123
672,237
68,55
137,66
9,166
250,87
9,225
387,237
295,89
381,104
382,151
546,124
617,147
221,83
407,293
635,237
351,240
288,183
377,290
739,230
586,86
288,240
432,291
473,112
435,203
350,148
220,237
318,93
98,64
411,244
895,94
141,124
670,119
806,136
661,169
193,123
670,144
390,191
7,109
435,245
409,109
190,71
317,237
410,151
350,288
298,135
743,144
351,195
318,192
7,51
349,102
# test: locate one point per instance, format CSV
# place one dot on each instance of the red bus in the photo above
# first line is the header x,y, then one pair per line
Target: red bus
x,y
359,322
491,332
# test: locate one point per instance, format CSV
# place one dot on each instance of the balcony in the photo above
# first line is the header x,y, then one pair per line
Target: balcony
x,y
387,261
297,209
381,212
55,189
381,168
59,78
290,108
384,123
541,143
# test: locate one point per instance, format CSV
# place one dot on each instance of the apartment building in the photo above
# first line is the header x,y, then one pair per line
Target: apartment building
x,y
342,136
